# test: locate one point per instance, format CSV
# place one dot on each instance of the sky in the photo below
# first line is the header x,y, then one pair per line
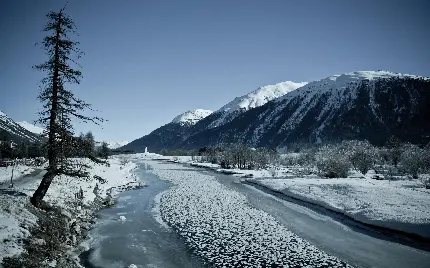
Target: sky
x,y
147,61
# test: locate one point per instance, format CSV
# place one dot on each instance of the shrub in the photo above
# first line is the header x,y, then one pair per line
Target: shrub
x,y
361,154
414,160
332,161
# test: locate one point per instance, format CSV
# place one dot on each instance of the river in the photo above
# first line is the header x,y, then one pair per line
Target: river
x,y
144,240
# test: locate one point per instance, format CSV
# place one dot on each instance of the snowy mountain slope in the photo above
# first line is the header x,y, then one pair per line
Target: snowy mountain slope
x,y
10,130
169,135
369,105
256,98
32,128
191,117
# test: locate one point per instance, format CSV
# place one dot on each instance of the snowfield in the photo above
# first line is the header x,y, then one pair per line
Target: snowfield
x,y
16,220
400,205
220,226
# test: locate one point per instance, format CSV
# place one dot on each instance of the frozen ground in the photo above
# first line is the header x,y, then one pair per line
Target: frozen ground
x,y
220,226
16,220
401,205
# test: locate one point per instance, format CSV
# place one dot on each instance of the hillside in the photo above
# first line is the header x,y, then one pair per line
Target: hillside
x,y
169,135
10,130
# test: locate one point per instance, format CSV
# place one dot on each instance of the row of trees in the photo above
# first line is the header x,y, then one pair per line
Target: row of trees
x,y
238,156
337,159
10,150
333,160
81,146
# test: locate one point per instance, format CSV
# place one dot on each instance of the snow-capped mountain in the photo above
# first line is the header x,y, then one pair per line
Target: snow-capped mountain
x,y
256,98
32,128
191,117
170,134
372,105
369,105
10,130
195,121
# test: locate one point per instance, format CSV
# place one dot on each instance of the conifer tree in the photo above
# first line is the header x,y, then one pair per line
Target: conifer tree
x,y
60,105
104,150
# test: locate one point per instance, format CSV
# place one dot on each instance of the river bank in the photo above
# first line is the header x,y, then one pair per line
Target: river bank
x,y
50,237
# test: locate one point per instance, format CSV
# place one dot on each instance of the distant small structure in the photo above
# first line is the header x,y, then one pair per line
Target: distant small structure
x,y
146,150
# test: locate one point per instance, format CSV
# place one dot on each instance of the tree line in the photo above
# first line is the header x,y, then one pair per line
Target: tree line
x,y
330,160
80,146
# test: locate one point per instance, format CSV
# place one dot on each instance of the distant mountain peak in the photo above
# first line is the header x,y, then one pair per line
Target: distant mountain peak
x,y
256,98
261,96
14,131
191,117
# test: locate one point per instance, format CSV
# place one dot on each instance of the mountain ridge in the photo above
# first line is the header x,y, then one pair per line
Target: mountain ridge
x,y
11,130
370,105
321,110
169,135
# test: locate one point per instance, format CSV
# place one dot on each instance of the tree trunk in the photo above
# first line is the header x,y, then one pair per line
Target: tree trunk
x,y
38,195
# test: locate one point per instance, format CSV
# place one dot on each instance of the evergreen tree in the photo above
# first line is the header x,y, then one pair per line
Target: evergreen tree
x,y
90,143
60,105
104,150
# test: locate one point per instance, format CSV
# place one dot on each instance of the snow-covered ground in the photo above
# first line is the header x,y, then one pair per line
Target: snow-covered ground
x,y
63,188
220,226
19,171
16,220
399,204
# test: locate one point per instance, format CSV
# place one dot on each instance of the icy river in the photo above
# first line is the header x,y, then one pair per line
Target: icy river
x,y
217,221
142,239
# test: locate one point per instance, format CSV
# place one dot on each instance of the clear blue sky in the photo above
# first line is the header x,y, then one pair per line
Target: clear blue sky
x,y
147,61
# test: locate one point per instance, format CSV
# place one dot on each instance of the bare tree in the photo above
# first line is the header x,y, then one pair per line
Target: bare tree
x,y
361,154
414,160
60,105
332,161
